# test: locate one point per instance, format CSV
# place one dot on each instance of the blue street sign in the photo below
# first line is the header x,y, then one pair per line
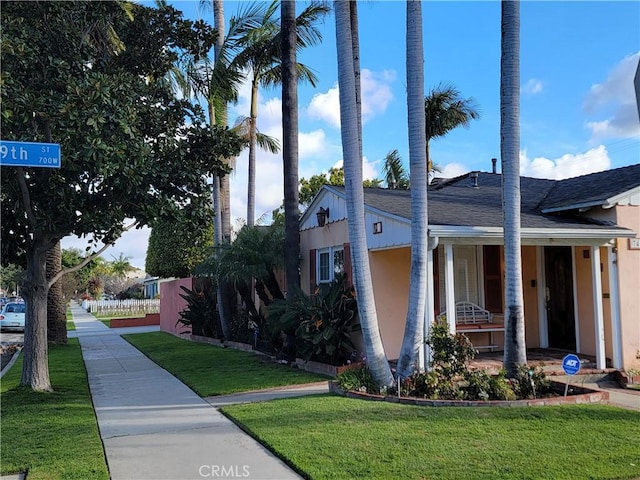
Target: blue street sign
x,y
571,364
29,154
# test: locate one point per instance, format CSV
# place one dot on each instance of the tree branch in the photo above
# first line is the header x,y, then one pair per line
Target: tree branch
x,y
75,268
26,198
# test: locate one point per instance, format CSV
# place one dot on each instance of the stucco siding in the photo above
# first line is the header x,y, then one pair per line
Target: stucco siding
x,y
390,270
629,281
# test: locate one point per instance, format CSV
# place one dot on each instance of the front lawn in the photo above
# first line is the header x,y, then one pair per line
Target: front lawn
x,y
330,437
211,370
52,435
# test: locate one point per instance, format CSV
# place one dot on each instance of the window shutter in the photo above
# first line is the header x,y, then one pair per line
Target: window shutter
x,y
312,271
492,279
347,263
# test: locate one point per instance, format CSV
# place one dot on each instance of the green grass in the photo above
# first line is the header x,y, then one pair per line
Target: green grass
x,y
106,321
330,437
634,386
211,370
52,435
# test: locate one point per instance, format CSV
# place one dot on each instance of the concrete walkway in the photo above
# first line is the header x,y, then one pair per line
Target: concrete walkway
x,y
153,426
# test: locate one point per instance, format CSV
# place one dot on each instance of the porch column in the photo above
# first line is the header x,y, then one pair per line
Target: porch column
x,y
450,294
614,300
429,315
598,312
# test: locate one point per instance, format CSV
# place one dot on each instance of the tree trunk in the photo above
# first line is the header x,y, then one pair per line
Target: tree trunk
x,y
414,327
351,146
514,342
35,365
251,174
56,307
245,294
271,282
290,147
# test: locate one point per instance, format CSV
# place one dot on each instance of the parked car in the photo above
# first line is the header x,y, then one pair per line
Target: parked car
x,y
12,316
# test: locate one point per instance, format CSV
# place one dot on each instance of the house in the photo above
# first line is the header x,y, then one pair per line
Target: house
x,y
580,258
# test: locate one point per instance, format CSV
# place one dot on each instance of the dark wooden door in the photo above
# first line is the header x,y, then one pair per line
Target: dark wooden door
x,y
559,298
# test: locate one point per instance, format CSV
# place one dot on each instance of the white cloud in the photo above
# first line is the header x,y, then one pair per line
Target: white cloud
x,y
369,170
614,99
569,165
376,97
532,87
452,170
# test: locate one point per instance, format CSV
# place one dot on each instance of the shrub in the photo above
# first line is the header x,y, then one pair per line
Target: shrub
x,y
482,386
530,382
201,313
322,324
358,379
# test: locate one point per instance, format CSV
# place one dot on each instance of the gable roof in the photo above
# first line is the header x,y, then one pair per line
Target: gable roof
x,y
602,188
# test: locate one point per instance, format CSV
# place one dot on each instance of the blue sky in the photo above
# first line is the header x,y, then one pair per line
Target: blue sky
x,y
578,108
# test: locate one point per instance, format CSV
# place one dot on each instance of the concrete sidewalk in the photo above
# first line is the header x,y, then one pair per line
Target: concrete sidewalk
x,y
153,426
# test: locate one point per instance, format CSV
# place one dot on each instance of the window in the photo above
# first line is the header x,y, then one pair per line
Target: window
x,y
330,263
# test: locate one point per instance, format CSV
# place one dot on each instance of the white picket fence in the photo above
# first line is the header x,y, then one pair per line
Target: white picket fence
x,y
121,308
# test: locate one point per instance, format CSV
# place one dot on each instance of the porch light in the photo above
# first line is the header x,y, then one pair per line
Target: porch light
x,y
322,215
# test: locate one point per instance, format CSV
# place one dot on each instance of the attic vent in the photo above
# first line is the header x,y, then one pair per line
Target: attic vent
x,y
474,179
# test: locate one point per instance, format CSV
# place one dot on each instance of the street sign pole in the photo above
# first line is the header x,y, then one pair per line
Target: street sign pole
x,y
29,154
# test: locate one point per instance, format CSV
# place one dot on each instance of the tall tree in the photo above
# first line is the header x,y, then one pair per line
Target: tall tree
x,y
395,175
413,339
55,63
290,145
262,55
445,110
351,148
515,352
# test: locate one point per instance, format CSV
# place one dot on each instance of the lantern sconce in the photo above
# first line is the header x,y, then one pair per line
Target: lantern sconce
x,y
322,215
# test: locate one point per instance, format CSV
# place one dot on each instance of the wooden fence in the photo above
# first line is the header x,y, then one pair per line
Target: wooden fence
x,y
121,308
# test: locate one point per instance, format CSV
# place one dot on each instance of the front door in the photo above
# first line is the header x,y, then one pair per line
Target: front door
x,y
559,298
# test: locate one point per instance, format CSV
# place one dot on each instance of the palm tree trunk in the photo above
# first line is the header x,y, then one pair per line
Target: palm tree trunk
x,y
290,146
221,192
251,182
56,309
514,342
414,326
376,358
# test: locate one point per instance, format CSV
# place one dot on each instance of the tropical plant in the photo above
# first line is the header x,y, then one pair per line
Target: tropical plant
x,y
413,340
261,54
515,352
321,323
395,174
350,119
445,110
358,379
201,313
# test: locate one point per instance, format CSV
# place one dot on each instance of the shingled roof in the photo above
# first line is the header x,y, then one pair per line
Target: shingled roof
x,y
591,190
458,202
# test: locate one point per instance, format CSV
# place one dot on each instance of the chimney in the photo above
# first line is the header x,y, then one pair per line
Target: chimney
x,y
494,162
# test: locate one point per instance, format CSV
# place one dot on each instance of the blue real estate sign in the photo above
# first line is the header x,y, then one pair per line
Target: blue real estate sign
x,y
29,154
571,364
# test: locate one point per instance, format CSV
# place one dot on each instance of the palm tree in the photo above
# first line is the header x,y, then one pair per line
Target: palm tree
x,y
445,110
290,146
514,342
56,311
351,145
121,266
414,325
395,175
261,54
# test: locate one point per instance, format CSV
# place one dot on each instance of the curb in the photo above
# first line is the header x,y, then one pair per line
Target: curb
x,y
8,366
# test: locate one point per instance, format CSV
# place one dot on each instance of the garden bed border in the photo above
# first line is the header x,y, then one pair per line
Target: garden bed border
x,y
581,395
